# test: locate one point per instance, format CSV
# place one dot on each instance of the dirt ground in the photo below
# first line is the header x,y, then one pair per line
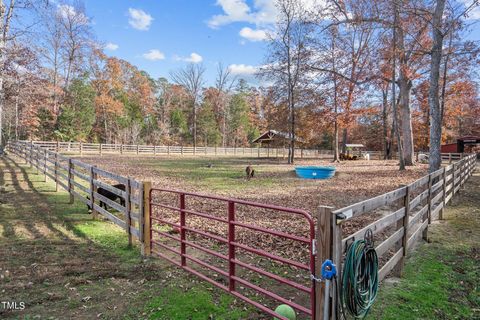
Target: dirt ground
x,y
275,181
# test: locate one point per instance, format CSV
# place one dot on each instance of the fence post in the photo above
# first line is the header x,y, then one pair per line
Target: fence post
x,y
337,251
56,172
405,221
100,149
154,150
57,148
440,215
322,252
215,150
231,247
70,178
45,157
453,182
93,189
147,230
31,154
301,153
181,149
429,207
128,212
81,148
168,150
258,151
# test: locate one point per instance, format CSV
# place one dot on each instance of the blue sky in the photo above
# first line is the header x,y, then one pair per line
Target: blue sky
x,y
176,30
160,36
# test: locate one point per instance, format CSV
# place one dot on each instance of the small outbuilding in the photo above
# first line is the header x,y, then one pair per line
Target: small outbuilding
x,y
464,144
275,138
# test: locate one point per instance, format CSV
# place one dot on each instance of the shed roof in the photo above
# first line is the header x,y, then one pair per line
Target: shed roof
x,y
272,135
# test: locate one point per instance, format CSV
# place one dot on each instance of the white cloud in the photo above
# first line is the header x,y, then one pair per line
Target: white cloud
x,y
68,12
193,58
263,12
154,55
242,69
111,46
139,19
253,35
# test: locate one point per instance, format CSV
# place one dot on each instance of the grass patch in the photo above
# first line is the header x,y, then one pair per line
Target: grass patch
x,y
195,303
441,277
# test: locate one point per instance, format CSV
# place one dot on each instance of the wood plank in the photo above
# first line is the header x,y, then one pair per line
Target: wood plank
x,y
81,164
135,232
418,183
437,210
388,243
110,188
418,215
80,186
418,232
388,267
378,225
437,185
81,175
119,222
437,197
373,203
113,204
437,173
418,199
110,175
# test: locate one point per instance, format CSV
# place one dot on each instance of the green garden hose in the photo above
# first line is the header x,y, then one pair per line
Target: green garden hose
x,y
360,277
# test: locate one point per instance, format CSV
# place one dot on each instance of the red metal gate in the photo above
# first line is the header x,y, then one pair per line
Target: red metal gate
x,y
212,238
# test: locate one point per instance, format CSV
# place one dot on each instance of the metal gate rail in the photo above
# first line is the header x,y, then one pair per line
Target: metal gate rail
x,y
230,221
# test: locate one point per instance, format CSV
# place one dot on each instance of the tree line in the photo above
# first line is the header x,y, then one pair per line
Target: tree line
x,y
397,76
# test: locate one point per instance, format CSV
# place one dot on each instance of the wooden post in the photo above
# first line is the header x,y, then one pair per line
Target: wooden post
x,y
45,157
194,150
440,215
146,246
81,148
449,158
154,150
337,252
138,149
322,252
168,150
258,151
128,214
57,148
93,189
453,181
100,149
405,221
56,172
215,150
121,148
70,178
429,206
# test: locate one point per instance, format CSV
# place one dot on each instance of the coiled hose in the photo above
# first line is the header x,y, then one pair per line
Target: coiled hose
x,y
359,278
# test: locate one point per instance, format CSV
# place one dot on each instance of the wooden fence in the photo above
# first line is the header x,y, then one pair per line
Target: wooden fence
x,y
404,215
82,180
138,149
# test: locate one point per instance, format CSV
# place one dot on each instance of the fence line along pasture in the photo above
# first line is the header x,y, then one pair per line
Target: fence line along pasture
x,y
82,181
138,149
403,214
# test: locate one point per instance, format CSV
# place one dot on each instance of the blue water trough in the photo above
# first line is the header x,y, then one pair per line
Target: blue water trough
x,y
315,172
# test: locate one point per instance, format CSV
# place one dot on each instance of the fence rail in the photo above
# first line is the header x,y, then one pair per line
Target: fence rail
x,y
82,181
103,148
406,214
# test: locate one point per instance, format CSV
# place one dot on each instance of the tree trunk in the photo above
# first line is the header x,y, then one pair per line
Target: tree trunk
x,y
406,120
435,159
344,140
386,140
394,95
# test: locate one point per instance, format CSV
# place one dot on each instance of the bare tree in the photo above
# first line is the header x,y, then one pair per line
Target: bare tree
x,y
223,83
192,79
77,37
288,56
